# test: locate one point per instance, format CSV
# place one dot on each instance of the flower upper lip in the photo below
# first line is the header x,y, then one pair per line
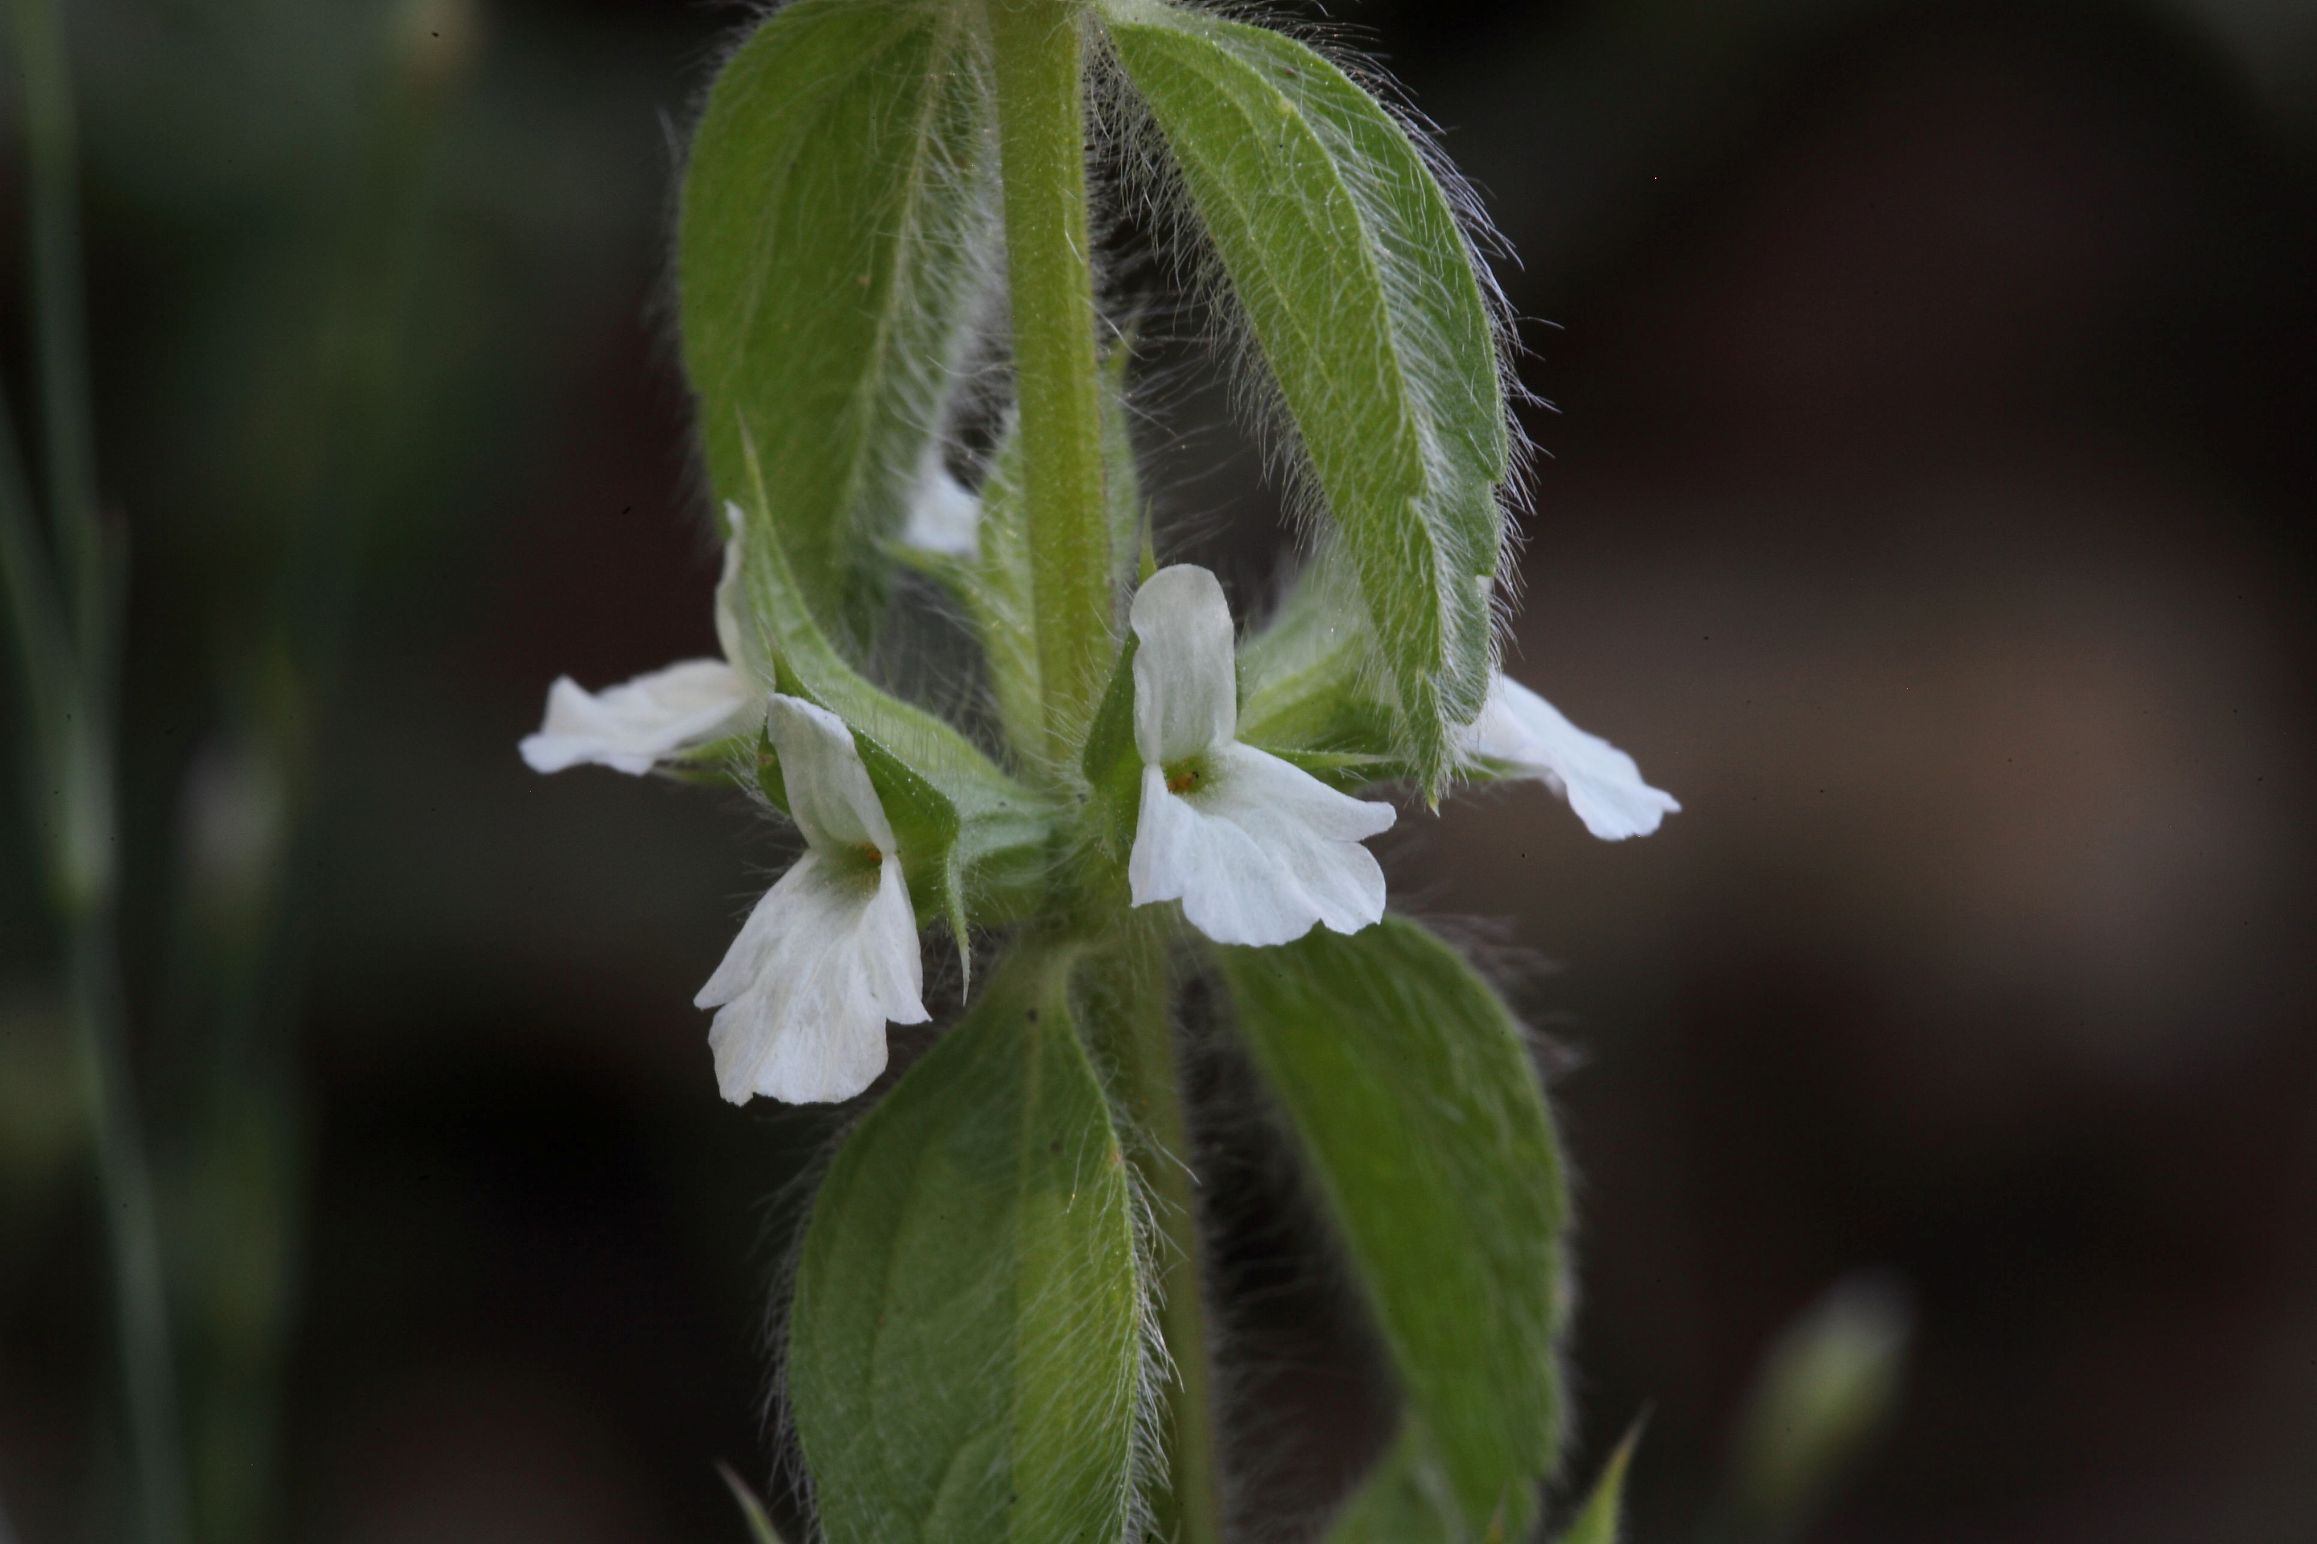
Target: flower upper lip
x,y
1257,850
830,955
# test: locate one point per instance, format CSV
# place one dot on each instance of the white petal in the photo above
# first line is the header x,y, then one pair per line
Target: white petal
x,y
943,516
1260,852
732,592
1532,739
827,959
634,726
1186,694
829,793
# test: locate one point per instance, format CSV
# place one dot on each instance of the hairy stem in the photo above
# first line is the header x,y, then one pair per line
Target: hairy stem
x,y
1147,1081
1042,155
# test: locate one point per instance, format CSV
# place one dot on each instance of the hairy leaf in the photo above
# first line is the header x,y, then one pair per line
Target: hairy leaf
x,y
1310,682
1600,1519
835,231
1404,1500
973,837
994,581
996,585
1412,1095
1345,256
966,1353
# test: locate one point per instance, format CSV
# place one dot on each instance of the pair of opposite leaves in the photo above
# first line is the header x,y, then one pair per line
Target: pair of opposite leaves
x,y
1256,850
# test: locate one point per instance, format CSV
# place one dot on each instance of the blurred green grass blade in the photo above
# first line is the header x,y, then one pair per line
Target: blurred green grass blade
x,y
60,330
42,648
1411,1093
966,1344
835,230
1345,256
1601,1519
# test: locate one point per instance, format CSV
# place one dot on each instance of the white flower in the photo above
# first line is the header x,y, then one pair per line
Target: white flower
x,y
638,724
943,517
1257,850
1526,737
830,955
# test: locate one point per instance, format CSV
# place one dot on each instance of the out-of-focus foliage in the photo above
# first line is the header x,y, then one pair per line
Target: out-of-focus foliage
x,y
1826,1389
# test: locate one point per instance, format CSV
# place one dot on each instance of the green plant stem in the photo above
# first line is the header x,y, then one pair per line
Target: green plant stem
x,y
41,647
54,237
68,656
140,1312
1149,1083
72,807
1042,155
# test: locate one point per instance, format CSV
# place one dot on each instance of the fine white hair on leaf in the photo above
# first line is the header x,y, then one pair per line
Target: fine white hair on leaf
x,y
938,279
1159,194
1155,1369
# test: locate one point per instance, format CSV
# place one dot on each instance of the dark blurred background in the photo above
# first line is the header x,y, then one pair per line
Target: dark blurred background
x,y
1928,506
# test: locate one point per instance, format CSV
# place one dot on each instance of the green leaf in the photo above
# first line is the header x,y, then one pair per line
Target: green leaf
x,y
995,582
966,1357
1600,1519
1309,682
835,230
1364,299
1121,469
972,837
1110,736
1404,1500
995,586
1418,1112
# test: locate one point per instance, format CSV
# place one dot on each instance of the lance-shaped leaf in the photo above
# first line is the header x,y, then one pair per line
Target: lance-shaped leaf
x,y
1412,1096
966,1344
1404,1500
1364,299
972,837
1311,687
835,232
1601,1519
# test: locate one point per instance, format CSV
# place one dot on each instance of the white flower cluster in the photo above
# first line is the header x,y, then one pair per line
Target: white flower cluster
x,y
1257,850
